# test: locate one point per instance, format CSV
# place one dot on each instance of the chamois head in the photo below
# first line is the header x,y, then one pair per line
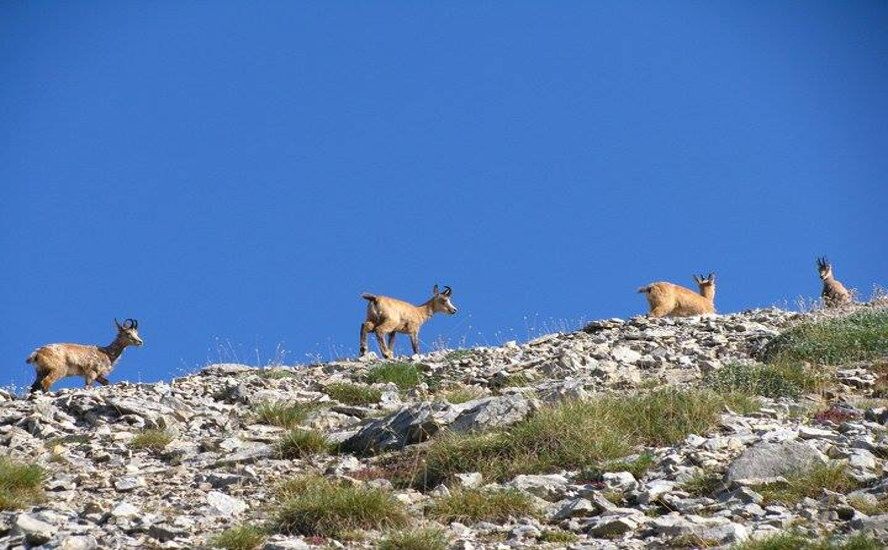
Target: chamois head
x,y
706,284
128,332
441,301
824,268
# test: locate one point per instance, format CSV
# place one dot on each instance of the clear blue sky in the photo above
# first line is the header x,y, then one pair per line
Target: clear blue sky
x,y
238,173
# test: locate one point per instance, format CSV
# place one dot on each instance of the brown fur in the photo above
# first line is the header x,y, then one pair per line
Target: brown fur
x,y
56,361
834,293
389,316
667,299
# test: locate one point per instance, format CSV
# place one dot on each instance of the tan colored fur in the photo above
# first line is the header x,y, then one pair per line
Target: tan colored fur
x,y
667,299
389,316
834,293
56,361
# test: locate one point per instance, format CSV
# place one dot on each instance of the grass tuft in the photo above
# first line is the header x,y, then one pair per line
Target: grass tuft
x,y
241,537
856,337
463,394
403,375
574,435
703,484
275,373
21,485
299,443
774,381
314,506
353,394
420,539
810,483
558,536
797,541
475,505
151,439
285,415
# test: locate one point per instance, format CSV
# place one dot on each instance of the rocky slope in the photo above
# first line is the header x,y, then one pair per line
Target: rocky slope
x,y
221,467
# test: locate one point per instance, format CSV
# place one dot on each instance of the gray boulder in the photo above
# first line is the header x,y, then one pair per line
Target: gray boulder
x,y
768,460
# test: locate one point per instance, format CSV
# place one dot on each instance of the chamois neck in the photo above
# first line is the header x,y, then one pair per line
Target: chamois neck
x,y
428,309
114,349
708,292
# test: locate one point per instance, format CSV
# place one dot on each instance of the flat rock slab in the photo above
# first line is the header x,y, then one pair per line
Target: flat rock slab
x,y
767,459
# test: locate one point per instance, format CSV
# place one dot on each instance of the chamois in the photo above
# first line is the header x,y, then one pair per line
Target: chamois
x,y
834,293
56,361
677,301
389,316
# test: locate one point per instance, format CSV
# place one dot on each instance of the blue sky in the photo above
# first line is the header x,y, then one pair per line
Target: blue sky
x,y
235,174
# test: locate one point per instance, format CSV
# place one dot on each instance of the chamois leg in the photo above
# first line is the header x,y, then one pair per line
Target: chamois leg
x,y
102,380
366,327
38,384
660,311
391,341
48,381
414,341
387,353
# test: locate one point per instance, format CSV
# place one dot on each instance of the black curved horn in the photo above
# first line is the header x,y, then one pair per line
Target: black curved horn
x,y
447,290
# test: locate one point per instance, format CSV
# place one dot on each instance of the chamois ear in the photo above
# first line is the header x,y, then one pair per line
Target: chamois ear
x,y
711,277
697,279
435,290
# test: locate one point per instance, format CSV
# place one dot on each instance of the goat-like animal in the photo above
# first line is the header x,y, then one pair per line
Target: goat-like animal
x,y
56,361
389,316
667,299
834,293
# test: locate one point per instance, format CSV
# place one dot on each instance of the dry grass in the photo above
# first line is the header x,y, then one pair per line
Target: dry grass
x,y
810,483
151,439
241,537
299,443
473,505
21,485
429,538
315,506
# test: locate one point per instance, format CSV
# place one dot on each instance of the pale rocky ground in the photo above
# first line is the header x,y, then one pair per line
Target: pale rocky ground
x,y
220,469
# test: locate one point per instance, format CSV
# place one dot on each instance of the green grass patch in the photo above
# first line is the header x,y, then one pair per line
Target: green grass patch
x,y
638,467
833,477
856,337
403,375
21,485
457,355
151,439
557,536
299,443
463,394
473,505
285,415
797,541
703,484
774,381
869,507
275,373
574,435
420,539
240,537
315,506
357,395
516,380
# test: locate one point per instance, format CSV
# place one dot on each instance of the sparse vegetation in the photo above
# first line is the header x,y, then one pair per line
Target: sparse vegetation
x,y
872,507
285,415
798,541
21,485
574,435
516,380
151,439
299,443
810,483
420,539
835,341
403,375
241,537
472,505
457,355
275,373
78,439
637,466
463,394
557,536
779,380
313,505
353,394
703,484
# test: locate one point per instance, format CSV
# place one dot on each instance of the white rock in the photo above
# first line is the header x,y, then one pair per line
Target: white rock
x,y
224,504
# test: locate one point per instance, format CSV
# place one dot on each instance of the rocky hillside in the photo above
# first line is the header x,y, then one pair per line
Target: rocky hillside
x,y
693,433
